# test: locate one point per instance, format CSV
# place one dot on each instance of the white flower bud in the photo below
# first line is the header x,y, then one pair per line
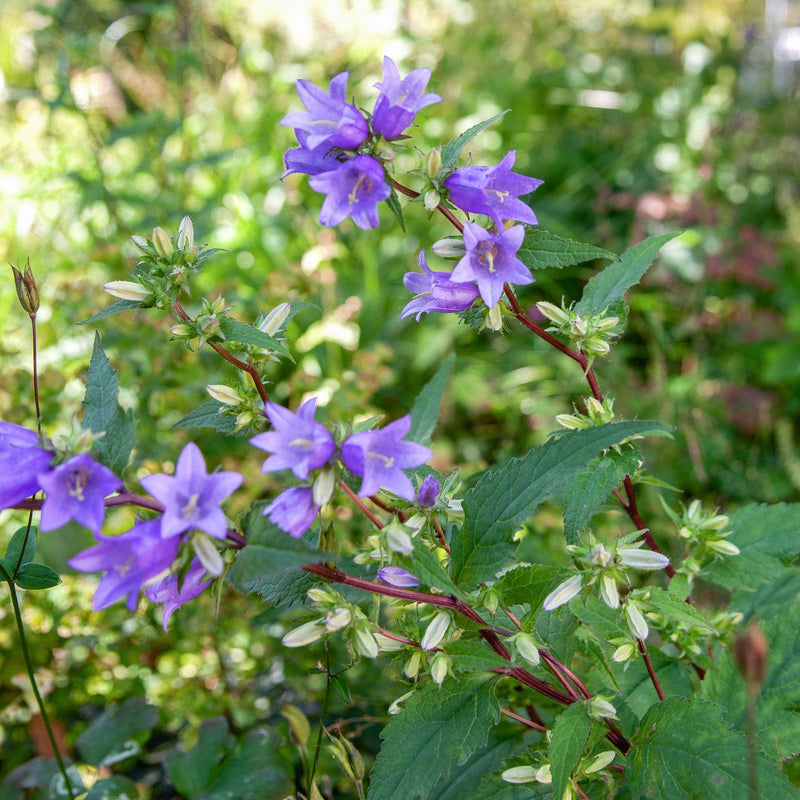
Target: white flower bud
x,y
543,774
322,490
411,667
185,239
717,523
224,394
162,243
494,319
320,595
571,422
386,644
527,648
578,327
636,621
306,634
433,162
397,540
599,707
553,312
127,290
431,199
435,631
608,591
723,547
624,653
596,347
450,247
519,775
396,707
600,761
207,552
440,666
273,322
606,323
641,559
338,618
694,512
563,593
365,642
140,242
594,407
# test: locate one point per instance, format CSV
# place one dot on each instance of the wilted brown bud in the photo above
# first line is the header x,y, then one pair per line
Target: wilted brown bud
x,y
27,292
751,650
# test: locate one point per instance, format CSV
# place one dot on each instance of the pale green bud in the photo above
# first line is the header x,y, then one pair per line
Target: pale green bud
x,y
624,653
519,775
636,621
571,422
127,290
608,591
433,163
494,319
685,533
431,199
595,408
435,631
397,540
348,758
723,547
141,243
605,324
553,312
450,247
162,243
599,707
365,643
306,634
491,601
322,490
600,761
601,556
207,552
321,595
526,647
299,729
182,331
578,327
543,774
185,240
386,644
596,347
641,559
440,666
338,618
563,593
244,418
411,667
273,322
224,394
694,512
717,523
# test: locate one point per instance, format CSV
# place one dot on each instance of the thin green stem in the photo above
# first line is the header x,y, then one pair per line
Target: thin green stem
x,y
35,375
32,678
323,714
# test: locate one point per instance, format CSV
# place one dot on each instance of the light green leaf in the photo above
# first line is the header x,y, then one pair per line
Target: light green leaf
x,y
507,495
36,576
115,727
766,535
673,607
439,729
609,286
541,249
243,333
114,308
570,734
425,411
394,206
685,750
452,150
208,416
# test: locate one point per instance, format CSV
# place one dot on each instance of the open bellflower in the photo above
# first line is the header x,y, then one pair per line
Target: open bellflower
x,y
293,510
397,576
310,160
380,456
400,99
296,441
329,119
129,561
76,490
493,191
168,592
436,291
491,261
191,496
22,461
353,189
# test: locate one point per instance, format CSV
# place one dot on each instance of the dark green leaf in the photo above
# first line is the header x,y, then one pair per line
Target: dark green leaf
x,y
637,688
286,588
588,489
493,787
507,495
452,150
14,556
36,576
111,732
117,787
541,249
673,607
557,630
684,750
528,584
439,729
607,623
114,308
765,535
394,206
243,333
609,286
208,416
474,655
425,411
570,734
424,565
191,772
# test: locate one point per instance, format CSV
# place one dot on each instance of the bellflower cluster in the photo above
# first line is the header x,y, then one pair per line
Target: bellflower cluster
x,y
298,443
191,499
343,150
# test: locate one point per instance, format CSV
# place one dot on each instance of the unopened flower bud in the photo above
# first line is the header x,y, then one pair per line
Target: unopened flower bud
x,y
428,492
624,653
127,290
608,591
322,490
543,774
450,247
571,422
348,758
162,243
185,240
636,621
224,394
273,322
27,291
365,643
519,775
397,705
594,407
207,552
321,595
299,729
563,593
306,634
526,647
141,243
435,631
641,559
386,644
244,418
605,324
596,346
599,708
433,163
338,618
491,601
411,667
578,327
440,666
553,312
717,523
183,331
383,151
723,547
397,540
600,761
431,199
494,319
694,512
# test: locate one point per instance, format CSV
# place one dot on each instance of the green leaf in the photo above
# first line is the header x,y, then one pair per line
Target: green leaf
x,y
673,607
118,787
765,536
254,771
528,584
439,729
425,411
102,414
474,655
208,416
493,787
570,734
113,730
585,491
541,249
557,630
452,150
36,576
241,332
288,588
607,623
424,565
684,750
191,772
114,308
507,495
394,206
14,556
609,286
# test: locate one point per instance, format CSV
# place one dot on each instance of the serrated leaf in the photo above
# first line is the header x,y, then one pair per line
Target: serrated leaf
x,y
439,729
685,750
507,495
765,536
673,607
191,772
425,411
36,576
287,588
567,742
114,727
452,150
609,286
394,206
114,308
557,630
528,584
241,332
493,787
474,655
208,416
588,489
637,687
542,249
607,623
14,552
424,565
102,414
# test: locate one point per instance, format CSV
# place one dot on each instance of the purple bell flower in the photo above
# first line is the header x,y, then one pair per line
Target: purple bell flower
x,y
436,292
397,576
293,511
428,492
310,160
166,590
22,461
400,99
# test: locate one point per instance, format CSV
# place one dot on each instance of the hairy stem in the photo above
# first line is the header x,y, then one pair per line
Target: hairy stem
x,y
650,671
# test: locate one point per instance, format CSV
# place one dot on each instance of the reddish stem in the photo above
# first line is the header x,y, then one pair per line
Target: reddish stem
x,y
524,720
649,664
357,500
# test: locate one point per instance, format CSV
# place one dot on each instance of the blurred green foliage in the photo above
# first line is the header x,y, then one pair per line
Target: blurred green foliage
x,y
642,117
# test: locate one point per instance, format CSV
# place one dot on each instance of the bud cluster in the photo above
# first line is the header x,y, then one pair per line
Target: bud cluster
x,y
591,335
597,413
